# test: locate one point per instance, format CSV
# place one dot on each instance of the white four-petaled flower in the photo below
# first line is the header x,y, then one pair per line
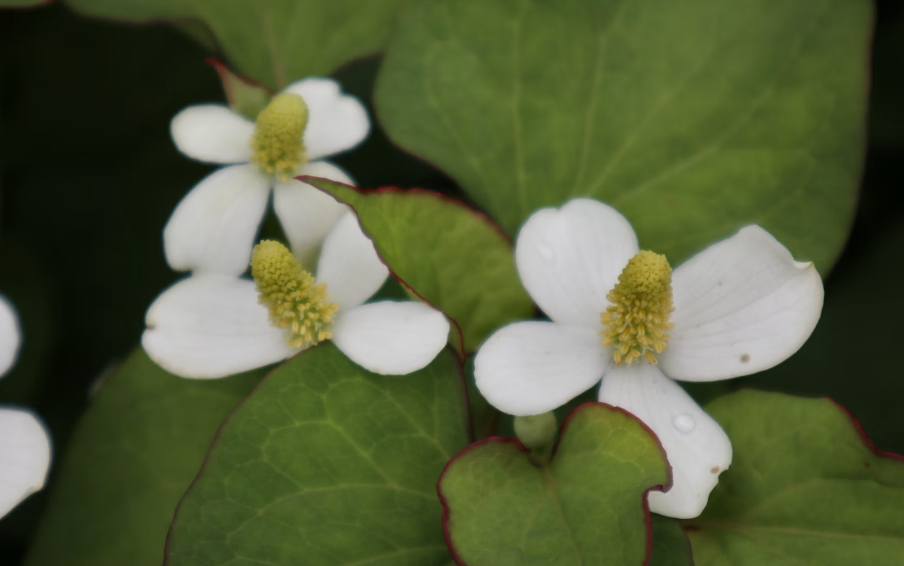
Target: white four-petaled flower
x,y
738,307
211,325
24,443
213,228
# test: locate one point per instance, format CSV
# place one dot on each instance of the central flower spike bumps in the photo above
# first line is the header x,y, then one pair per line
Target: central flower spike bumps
x,y
277,143
294,299
637,321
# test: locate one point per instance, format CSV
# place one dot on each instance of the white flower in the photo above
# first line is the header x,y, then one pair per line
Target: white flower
x,y
211,325
24,443
213,228
738,307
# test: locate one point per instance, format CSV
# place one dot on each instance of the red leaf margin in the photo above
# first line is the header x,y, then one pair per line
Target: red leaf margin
x,y
687,525
462,355
867,441
648,520
397,190
214,444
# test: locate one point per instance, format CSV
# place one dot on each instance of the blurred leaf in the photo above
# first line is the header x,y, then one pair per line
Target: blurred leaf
x,y
22,3
584,508
671,546
452,256
244,96
805,487
277,41
327,464
693,118
131,458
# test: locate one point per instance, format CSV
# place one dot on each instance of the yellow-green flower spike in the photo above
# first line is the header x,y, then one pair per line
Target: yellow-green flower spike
x,y
278,135
637,322
295,301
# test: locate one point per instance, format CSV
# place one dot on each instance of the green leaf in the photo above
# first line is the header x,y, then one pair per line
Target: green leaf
x,y
805,487
131,458
273,42
584,508
22,3
671,546
244,95
692,118
327,464
450,255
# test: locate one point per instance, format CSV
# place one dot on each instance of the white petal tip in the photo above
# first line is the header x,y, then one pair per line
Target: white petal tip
x,y
529,368
25,446
10,335
391,338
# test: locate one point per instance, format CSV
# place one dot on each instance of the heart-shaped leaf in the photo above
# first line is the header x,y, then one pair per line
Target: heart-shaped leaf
x,y
805,487
132,457
273,42
693,118
327,464
451,256
586,507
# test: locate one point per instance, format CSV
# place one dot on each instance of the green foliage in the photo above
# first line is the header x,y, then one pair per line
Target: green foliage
x,y
21,3
277,41
804,488
328,464
133,455
670,544
244,96
584,508
450,255
693,118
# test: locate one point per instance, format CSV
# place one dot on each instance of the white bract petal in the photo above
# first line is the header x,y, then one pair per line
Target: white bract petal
x,y
697,448
570,258
213,228
528,368
306,213
349,264
213,133
24,457
336,121
391,338
210,326
742,305
10,335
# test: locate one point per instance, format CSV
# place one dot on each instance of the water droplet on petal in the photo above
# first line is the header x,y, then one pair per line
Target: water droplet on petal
x,y
684,422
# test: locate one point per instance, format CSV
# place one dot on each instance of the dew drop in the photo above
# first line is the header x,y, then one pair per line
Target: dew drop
x,y
684,422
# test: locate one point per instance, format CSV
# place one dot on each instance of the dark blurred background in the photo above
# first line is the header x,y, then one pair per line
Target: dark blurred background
x,y
89,175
